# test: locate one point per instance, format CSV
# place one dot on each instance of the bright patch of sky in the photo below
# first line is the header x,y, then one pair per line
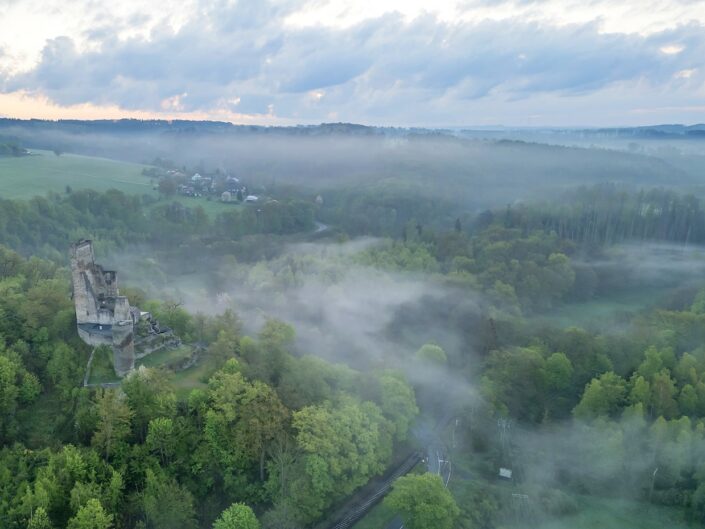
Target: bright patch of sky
x,y
644,17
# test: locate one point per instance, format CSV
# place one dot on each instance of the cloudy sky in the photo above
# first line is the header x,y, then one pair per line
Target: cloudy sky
x,y
387,62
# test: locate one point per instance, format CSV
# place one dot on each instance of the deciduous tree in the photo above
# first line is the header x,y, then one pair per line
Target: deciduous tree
x,y
237,516
423,502
167,504
114,420
91,516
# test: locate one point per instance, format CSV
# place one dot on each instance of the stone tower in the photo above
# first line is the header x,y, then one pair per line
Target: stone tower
x,y
103,316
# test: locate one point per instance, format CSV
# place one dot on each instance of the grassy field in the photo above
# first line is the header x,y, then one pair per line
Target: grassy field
x,y
211,207
183,381
192,378
604,513
165,356
43,171
605,311
102,368
593,512
28,176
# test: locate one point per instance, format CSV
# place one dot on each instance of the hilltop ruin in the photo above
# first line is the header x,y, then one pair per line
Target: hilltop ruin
x,y
104,317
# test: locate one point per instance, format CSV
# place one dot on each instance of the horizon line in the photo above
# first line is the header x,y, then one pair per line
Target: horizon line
x,y
493,127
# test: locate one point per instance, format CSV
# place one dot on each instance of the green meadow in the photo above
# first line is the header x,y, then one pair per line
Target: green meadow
x,y
43,171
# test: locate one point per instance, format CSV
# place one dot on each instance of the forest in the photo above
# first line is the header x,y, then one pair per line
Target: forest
x,y
345,334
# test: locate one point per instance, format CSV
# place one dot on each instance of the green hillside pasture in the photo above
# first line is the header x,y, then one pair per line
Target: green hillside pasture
x,y
43,171
609,513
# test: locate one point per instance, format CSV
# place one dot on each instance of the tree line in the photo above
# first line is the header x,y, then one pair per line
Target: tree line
x,y
46,226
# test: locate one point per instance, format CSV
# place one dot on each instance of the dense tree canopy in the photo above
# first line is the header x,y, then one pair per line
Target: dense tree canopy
x,y
261,423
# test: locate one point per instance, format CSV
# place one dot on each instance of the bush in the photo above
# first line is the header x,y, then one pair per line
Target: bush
x,y
557,503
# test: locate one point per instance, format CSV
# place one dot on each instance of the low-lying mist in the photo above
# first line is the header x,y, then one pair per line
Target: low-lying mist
x,y
351,313
369,318
469,174
648,267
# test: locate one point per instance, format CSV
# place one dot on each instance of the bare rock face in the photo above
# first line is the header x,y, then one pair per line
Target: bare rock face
x,y
103,316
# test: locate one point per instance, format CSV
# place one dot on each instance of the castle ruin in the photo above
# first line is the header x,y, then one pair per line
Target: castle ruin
x,y
104,317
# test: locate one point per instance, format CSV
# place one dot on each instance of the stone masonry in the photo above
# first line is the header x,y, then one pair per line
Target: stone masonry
x,y
103,316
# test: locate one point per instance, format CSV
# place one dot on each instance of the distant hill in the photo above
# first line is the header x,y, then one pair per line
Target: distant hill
x,y
659,131
132,126
650,132
419,164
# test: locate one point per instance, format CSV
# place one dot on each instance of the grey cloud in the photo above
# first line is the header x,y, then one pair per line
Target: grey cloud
x,y
379,67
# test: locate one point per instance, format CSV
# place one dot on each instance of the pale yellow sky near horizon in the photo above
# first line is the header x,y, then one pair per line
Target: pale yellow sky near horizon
x,y
22,105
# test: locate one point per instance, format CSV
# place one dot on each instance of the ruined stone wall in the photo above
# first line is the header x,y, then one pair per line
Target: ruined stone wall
x,y
121,310
155,342
93,288
110,281
83,295
95,339
123,337
123,348
102,315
